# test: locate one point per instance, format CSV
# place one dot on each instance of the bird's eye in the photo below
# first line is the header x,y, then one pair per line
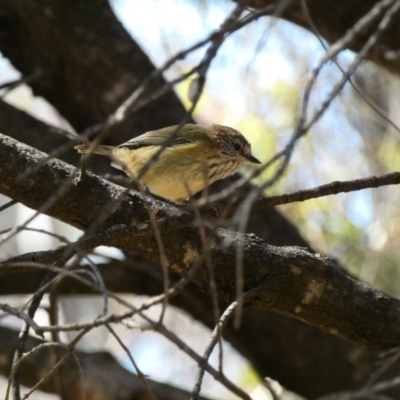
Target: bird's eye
x,y
236,146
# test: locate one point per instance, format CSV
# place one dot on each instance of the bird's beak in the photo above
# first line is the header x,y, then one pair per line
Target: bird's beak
x,y
252,159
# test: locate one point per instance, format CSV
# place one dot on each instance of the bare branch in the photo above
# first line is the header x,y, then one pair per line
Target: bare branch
x,y
329,190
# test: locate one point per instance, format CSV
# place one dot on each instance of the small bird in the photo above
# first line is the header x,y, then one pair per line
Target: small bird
x,y
196,157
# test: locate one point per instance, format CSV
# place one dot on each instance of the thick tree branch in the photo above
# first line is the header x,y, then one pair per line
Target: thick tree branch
x,y
320,293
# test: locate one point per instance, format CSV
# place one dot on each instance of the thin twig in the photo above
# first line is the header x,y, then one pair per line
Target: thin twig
x,y
139,373
359,92
329,189
25,317
215,337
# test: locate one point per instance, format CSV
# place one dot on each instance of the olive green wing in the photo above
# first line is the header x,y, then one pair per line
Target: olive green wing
x,y
187,134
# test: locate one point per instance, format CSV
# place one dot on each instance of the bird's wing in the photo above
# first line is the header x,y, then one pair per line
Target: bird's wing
x,y
158,137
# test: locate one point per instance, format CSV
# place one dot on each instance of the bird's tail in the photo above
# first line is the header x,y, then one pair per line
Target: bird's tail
x,y
102,150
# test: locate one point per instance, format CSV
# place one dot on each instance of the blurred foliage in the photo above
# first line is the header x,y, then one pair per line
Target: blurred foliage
x,y
359,228
255,84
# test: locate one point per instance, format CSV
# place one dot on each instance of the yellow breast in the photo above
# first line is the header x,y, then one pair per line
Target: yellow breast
x,y
178,173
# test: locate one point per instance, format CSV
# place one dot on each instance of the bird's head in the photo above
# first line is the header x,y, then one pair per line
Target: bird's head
x,y
233,145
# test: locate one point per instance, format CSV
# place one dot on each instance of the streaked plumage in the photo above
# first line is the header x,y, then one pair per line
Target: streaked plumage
x,y
196,157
